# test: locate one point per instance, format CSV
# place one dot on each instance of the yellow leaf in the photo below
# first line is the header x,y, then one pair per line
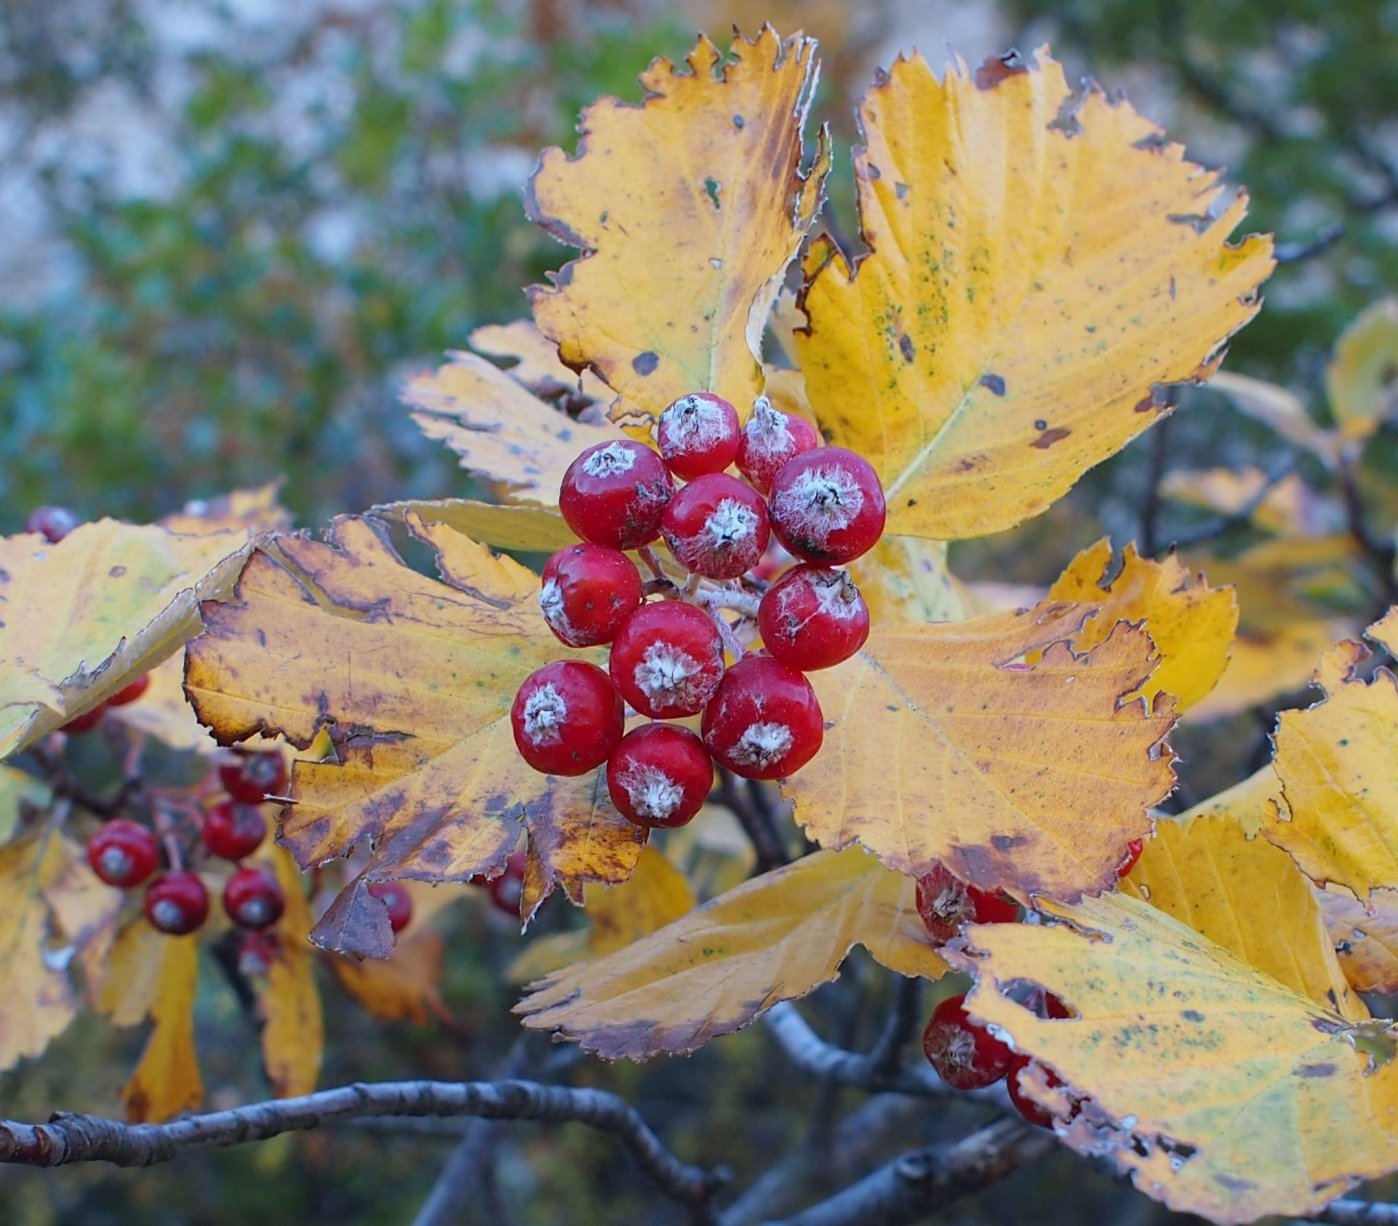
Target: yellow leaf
x,y
1220,1090
536,365
1248,897
1267,662
293,1035
1278,408
413,678
1339,772
403,986
906,579
687,209
166,1080
252,511
51,909
1366,938
501,431
1040,268
164,711
83,618
943,744
529,529
1286,506
1190,623
1362,379
131,980
714,970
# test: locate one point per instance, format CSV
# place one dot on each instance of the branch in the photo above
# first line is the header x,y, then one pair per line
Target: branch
x,y
70,1138
1357,1213
902,1022
922,1181
757,821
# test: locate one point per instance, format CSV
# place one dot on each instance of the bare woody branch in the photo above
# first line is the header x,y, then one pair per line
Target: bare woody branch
x,y
85,1138
1357,1213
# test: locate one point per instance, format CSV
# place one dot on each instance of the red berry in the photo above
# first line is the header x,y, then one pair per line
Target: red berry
x,y
717,527
507,889
398,901
52,523
123,853
232,831
131,692
87,721
253,775
966,1056
615,493
667,660
567,718
177,903
813,617
253,898
827,505
698,434
764,722
588,593
1034,1112
256,953
1128,861
659,775
945,903
1046,1004
769,440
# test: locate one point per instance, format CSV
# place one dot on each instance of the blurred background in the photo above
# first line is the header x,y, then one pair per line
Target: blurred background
x,y
230,229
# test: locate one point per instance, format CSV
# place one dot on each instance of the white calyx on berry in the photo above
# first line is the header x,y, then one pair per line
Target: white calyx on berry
x,y
551,606
612,459
653,794
167,914
691,422
667,676
761,745
821,501
731,526
545,710
768,430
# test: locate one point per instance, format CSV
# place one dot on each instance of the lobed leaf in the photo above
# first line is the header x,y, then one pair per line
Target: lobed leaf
x,y
167,1080
1366,938
293,1034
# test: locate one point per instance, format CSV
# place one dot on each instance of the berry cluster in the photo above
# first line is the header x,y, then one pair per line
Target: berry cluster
x,y
679,655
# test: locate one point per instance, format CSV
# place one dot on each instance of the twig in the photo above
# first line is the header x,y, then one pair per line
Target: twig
x,y
70,1138
1297,252
922,1181
1217,526
757,823
1149,529
1357,1213
902,1022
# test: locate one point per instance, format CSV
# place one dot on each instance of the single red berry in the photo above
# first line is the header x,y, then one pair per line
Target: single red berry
x,y
1034,1112
813,617
770,439
1128,861
123,853
615,493
827,505
717,527
253,775
946,903
232,831
177,903
764,722
1046,1004
698,434
507,889
588,593
52,523
253,898
659,775
667,660
87,721
396,898
567,718
256,953
965,1055
131,692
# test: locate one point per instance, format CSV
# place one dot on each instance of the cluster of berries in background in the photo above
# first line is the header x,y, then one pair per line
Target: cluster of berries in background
x,y
966,1055
689,651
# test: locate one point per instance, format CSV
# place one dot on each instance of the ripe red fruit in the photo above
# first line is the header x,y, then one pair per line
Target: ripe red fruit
x,y
1128,861
253,898
123,853
945,903
813,617
131,692
232,831
769,440
507,889
398,901
659,775
716,526
52,523
614,494
253,775
667,660
764,722
966,1056
698,434
177,903
827,505
567,718
87,721
588,593
256,953
1026,1106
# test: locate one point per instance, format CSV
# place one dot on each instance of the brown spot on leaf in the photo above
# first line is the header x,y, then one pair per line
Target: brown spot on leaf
x,y
645,363
998,68
994,384
1315,1070
905,346
1049,437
